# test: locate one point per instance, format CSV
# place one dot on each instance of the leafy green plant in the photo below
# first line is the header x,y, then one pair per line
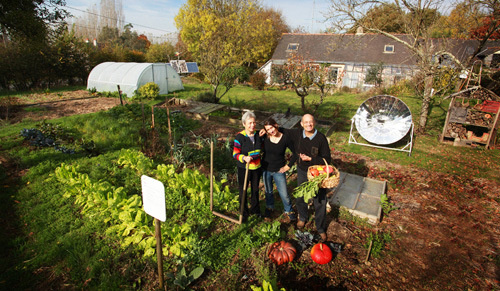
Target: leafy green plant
x,y
112,94
264,272
56,131
387,206
135,160
344,214
125,215
378,241
92,90
309,189
179,239
269,232
45,138
266,286
149,90
182,279
90,148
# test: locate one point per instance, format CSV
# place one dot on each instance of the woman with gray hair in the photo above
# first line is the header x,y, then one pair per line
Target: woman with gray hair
x,y
246,152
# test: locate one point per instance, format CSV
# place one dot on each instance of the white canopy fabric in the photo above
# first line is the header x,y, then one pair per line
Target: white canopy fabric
x,y
131,76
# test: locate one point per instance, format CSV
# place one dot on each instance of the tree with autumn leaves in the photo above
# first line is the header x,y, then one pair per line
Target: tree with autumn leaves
x,y
303,75
222,35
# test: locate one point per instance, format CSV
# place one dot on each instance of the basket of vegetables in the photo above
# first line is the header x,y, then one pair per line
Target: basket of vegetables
x,y
318,177
329,173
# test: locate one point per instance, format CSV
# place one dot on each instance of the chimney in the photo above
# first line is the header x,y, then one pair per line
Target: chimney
x,y
359,30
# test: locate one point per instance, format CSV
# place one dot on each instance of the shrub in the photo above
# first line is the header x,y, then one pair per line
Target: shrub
x,y
199,76
258,81
400,88
149,90
206,97
345,89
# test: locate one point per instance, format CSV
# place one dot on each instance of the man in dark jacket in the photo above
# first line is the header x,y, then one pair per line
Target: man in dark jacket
x,y
311,147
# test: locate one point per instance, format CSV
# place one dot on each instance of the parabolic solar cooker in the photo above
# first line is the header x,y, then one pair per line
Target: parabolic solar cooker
x,y
383,119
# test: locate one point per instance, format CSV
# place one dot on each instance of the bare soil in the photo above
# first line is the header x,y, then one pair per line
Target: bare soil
x,y
444,230
54,105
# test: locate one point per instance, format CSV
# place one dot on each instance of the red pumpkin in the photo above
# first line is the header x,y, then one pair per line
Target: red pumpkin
x,y
282,252
321,253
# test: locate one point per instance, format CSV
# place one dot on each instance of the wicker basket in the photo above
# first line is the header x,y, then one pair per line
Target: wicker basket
x,y
331,180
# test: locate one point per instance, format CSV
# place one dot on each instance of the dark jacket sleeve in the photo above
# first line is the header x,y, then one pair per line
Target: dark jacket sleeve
x,y
323,151
293,136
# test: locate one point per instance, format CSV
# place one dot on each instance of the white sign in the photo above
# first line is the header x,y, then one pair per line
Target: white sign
x,y
153,197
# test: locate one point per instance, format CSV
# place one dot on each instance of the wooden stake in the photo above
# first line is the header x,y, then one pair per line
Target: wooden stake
x,y
368,253
169,131
159,252
120,94
211,176
152,117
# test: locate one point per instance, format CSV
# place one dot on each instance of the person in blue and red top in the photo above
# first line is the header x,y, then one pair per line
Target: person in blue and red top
x,y
247,149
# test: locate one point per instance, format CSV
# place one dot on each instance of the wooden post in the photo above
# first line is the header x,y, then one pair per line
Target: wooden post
x,y
169,130
120,94
211,175
441,138
368,253
159,252
492,131
152,117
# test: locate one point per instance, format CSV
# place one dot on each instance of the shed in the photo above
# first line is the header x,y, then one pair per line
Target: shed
x,y
131,76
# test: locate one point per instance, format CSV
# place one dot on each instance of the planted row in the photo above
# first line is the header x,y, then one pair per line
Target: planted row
x,y
187,204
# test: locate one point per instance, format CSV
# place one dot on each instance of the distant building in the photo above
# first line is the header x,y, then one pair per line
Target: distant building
x,y
351,55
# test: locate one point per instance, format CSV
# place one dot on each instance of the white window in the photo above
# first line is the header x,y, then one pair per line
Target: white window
x,y
389,49
335,74
292,47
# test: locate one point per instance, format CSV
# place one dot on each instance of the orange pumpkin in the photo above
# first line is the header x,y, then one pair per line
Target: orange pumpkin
x,y
282,252
321,254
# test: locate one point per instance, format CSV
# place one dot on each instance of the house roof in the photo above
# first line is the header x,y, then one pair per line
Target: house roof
x,y
362,48
490,50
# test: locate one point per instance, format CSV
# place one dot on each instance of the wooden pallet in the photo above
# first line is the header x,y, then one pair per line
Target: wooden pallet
x,y
202,110
286,121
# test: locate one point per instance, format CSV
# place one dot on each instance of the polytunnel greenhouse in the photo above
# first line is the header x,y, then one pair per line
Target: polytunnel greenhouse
x,y
131,76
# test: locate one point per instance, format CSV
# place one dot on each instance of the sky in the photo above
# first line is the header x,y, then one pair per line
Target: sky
x,y
156,17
